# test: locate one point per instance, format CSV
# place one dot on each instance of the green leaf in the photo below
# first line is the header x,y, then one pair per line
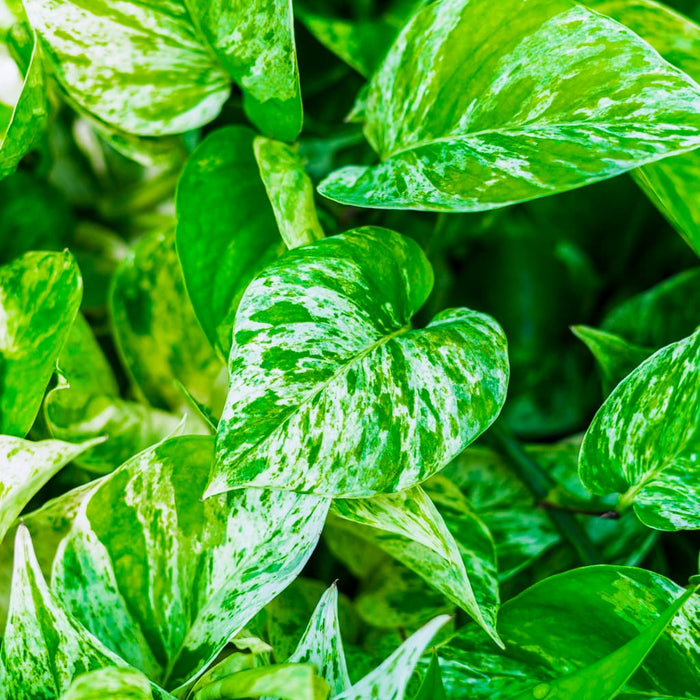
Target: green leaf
x,y
409,527
644,442
226,230
179,575
26,467
288,681
164,66
432,687
39,298
616,357
673,185
290,190
663,314
44,648
113,683
157,332
604,679
28,116
478,106
390,680
322,645
330,390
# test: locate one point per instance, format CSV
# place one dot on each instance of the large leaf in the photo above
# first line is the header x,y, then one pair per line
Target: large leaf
x,y
179,575
290,190
226,230
644,442
163,66
157,332
480,105
331,392
39,298
26,467
673,185
408,526
28,116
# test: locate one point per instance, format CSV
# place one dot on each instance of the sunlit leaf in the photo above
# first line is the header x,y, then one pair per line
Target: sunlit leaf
x,y
114,683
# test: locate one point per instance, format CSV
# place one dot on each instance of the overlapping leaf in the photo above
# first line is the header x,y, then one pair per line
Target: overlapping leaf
x,y
112,682
331,392
480,105
179,576
39,298
226,230
164,66
644,442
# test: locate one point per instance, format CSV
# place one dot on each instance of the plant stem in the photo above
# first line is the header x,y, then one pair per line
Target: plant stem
x,y
540,484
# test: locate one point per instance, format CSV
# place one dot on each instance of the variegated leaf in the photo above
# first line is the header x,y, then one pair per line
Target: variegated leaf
x,y
408,526
114,683
157,332
332,392
226,231
479,105
673,185
26,467
644,442
44,648
290,190
390,680
164,66
28,116
39,298
179,576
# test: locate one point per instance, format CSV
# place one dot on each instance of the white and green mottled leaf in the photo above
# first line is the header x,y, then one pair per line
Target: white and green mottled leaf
x,y
409,527
114,683
644,442
28,116
290,190
226,230
479,105
26,467
673,185
390,680
178,575
39,297
616,357
157,332
44,648
330,390
164,66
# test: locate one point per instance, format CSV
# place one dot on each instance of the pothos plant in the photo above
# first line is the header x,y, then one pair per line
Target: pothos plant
x,y
310,388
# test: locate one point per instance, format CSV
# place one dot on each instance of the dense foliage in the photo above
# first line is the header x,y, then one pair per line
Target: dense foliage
x,y
310,388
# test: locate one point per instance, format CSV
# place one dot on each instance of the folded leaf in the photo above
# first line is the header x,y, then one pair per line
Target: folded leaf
x,y
179,576
39,298
432,687
226,230
479,105
164,66
644,442
332,393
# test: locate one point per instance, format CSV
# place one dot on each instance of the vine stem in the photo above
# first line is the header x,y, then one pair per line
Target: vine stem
x,y
541,484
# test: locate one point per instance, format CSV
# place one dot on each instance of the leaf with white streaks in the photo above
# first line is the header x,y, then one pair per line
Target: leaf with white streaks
x,y
178,575
290,190
644,442
408,526
39,297
331,391
479,105
226,230
390,680
164,66
26,467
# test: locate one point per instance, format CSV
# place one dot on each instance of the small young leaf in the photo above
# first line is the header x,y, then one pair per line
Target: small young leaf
x,y
290,190
39,298
332,393
479,105
114,683
644,442
226,229
432,687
